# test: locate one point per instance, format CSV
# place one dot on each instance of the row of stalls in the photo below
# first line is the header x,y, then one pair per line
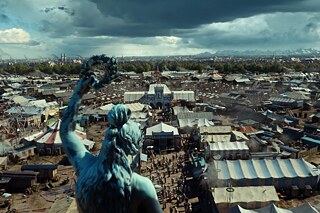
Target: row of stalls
x,y
29,176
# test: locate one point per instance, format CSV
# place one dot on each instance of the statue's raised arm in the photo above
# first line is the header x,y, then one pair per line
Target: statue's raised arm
x,y
92,69
106,183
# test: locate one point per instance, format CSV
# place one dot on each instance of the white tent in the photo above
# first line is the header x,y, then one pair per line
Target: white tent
x,y
250,197
281,173
163,137
136,107
201,122
107,107
162,128
306,208
229,150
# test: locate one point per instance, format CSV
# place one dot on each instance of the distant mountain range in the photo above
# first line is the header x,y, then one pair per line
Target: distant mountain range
x,y
298,52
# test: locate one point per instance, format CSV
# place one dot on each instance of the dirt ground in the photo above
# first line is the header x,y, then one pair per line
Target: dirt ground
x,y
59,196
41,200
314,201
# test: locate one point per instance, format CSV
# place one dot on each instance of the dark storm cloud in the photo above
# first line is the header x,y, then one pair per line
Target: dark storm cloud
x,y
69,11
160,27
262,31
163,16
3,16
144,18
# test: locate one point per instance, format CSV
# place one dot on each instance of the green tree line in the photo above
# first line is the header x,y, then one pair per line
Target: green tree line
x,y
24,69
224,67
166,65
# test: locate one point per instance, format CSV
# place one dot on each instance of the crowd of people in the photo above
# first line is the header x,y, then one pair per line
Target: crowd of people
x,y
168,174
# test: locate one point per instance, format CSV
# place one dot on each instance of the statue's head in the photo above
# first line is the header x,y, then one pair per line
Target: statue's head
x,y
127,132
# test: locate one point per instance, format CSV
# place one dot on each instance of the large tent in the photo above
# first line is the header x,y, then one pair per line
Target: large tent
x,y
190,122
49,141
229,150
249,197
163,137
307,208
282,173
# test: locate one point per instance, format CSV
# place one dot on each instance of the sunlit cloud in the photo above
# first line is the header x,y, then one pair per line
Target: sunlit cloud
x,y
14,36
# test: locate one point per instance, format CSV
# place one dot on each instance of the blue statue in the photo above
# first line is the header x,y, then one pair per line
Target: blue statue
x,y
106,183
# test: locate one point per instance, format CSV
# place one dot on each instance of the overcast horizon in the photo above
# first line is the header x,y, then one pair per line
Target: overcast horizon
x,y
43,28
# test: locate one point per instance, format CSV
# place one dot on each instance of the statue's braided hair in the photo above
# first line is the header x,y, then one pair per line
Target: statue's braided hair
x,y
124,137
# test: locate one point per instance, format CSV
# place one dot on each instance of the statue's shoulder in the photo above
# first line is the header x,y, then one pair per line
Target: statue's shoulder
x,y
143,186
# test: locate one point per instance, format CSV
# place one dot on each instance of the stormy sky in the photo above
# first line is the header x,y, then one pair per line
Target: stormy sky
x,y
42,28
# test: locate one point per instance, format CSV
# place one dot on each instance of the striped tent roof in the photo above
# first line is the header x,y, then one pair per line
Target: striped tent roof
x,y
52,136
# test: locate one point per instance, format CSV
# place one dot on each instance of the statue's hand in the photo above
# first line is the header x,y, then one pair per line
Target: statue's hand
x,y
85,83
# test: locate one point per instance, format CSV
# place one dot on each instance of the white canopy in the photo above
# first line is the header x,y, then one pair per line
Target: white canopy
x,y
307,208
161,127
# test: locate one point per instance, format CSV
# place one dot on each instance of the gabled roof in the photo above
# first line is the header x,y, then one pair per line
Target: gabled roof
x,y
296,95
52,136
282,100
239,135
38,103
25,110
107,107
215,130
133,96
161,127
18,99
217,138
183,95
195,115
152,87
246,129
202,122
228,146
39,167
136,107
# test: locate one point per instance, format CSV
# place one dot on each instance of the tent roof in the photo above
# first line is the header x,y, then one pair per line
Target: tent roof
x,y
136,107
195,115
133,96
20,99
25,110
183,95
107,107
245,194
239,135
179,109
266,168
52,136
152,87
201,122
161,127
217,138
227,146
306,207
215,130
